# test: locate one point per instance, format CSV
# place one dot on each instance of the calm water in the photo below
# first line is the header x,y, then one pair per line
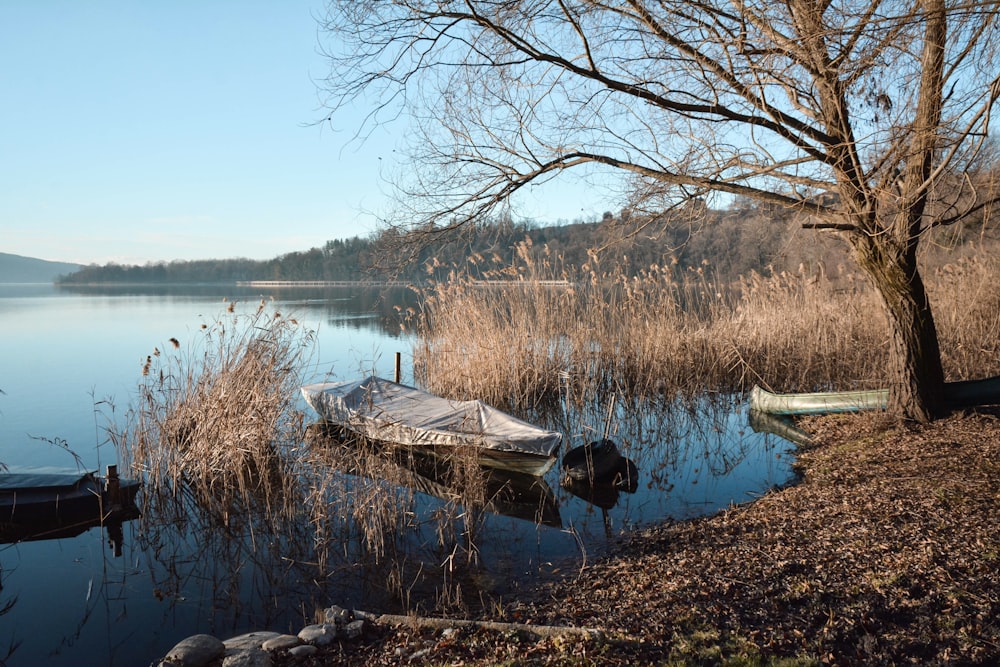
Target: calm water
x,y
70,359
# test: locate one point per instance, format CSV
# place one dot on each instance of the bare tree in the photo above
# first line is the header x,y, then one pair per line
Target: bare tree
x,y
850,112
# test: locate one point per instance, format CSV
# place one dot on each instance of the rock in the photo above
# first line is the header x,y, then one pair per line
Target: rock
x,y
248,658
249,641
323,634
337,616
353,630
196,651
280,642
303,651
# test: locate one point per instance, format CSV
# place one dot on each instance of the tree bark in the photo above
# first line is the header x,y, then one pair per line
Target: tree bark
x,y
915,373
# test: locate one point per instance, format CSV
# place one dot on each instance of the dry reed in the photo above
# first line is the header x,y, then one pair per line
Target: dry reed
x,y
217,415
662,332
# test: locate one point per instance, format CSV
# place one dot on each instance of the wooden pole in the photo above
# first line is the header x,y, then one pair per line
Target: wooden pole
x,y
398,376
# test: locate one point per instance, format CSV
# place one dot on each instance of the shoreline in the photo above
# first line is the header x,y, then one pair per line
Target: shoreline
x,y
886,552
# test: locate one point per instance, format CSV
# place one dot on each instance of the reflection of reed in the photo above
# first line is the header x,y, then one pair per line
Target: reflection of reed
x,y
422,515
693,454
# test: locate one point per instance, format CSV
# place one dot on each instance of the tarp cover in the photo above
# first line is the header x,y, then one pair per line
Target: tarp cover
x,y
41,479
404,415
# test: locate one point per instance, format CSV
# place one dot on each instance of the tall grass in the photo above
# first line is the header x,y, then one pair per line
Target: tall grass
x,y
966,295
217,414
659,331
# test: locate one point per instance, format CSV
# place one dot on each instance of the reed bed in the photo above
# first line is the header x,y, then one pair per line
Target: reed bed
x,y
663,332
966,295
215,426
217,415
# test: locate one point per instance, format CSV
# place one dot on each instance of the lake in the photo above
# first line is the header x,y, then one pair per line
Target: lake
x,y
72,360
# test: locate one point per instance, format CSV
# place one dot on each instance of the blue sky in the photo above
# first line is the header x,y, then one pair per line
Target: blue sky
x,y
137,131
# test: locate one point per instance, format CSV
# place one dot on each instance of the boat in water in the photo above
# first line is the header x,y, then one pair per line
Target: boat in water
x,y
408,417
965,394
45,504
594,463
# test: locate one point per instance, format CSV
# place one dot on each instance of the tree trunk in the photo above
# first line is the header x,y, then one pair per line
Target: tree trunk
x,y
915,374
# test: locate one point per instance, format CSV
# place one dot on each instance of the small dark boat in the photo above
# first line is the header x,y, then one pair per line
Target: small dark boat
x,y
63,499
594,463
604,493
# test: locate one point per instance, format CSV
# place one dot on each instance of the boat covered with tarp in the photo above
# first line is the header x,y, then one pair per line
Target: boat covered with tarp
x,y
408,417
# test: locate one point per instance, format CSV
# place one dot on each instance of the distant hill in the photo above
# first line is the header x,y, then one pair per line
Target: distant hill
x,y
18,269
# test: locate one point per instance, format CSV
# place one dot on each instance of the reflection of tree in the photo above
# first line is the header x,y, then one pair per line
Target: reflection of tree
x,y
356,306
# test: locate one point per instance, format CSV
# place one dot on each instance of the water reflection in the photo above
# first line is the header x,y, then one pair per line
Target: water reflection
x,y
37,532
383,529
357,307
449,479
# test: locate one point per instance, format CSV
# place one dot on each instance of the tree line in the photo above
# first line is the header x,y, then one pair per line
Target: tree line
x,y
730,242
733,241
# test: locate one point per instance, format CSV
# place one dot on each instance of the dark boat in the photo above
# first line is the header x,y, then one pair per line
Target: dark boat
x,y
595,463
35,502
598,473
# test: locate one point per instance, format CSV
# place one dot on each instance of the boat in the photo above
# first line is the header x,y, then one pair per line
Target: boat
x,y
598,473
817,403
593,463
408,417
965,394
57,502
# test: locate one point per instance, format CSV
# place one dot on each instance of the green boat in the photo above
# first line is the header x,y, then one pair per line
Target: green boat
x,y
963,394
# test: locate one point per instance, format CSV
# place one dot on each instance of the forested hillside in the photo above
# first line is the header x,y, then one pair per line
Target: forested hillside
x,y
727,243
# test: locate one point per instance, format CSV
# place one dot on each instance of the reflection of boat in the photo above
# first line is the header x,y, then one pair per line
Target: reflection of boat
x,y
779,425
408,417
513,494
505,492
46,505
957,395
12,532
